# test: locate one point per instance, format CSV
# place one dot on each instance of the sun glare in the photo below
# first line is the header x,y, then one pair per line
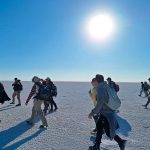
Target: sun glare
x,y
100,27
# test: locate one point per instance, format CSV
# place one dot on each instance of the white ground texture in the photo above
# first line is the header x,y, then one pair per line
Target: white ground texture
x,y
69,127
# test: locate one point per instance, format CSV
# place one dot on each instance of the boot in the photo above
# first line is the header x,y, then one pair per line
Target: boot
x,y
95,147
122,144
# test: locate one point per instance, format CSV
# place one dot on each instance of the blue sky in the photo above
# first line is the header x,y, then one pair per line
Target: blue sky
x,y
46,38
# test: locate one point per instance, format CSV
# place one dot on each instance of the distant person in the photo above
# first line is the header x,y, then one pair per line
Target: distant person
x,y
53,93
3,95
146,89
147,103
93,96
112,84
107,121
142,88
17,87
38,101
147,93
149,80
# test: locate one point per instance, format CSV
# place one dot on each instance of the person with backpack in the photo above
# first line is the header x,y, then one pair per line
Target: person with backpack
x,y
3,95
112,84
142,88
38,96
17,87
93,96
53,93
107,121
146,89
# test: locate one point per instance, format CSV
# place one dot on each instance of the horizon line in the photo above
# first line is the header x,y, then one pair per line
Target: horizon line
x,y
73,81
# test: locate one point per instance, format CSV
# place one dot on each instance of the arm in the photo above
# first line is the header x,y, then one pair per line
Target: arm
x,y
100,101
33,91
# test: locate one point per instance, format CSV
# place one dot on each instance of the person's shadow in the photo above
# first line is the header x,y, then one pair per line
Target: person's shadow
x,y
11,134
7,107
124,126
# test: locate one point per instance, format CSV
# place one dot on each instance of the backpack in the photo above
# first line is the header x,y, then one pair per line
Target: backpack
x,y
146,87
116,87
114,102
20,87
43,92
54,91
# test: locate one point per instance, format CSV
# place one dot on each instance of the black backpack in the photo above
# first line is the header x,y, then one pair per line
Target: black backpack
x,y
20,87
116,87
43,92
54,91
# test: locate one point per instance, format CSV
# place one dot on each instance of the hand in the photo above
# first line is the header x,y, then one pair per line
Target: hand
x,y
90,116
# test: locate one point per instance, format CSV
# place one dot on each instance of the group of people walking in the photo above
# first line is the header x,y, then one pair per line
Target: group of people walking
x,y
103,94
103,112
145,88
42,92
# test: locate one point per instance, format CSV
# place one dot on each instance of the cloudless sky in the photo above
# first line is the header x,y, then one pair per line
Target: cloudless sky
x,y
46,38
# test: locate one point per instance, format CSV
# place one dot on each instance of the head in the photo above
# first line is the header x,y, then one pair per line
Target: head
x,y
145,82
15,79
109,79
35,79
44,82
94,82
48,80
149,79
99,78
142,83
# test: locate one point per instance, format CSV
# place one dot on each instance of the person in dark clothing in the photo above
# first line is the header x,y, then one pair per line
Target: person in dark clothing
x,y
17,87
50,101
3,95
148,102
142,88
146,88
107,122
112,84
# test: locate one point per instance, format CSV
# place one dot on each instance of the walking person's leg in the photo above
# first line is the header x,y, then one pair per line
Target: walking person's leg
x,y
46,105
146,93
18,97
141,92
100,129
34,113
148,102
40,113
55,105
13,97
96,120
119,140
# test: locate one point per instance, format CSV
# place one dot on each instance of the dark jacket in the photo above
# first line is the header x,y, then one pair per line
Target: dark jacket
x,y
16,86
3,95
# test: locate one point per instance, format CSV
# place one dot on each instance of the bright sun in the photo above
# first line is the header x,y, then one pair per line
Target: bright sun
x,y
100,27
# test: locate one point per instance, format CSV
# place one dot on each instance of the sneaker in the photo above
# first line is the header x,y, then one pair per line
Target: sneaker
x,y
18,105
42,126
12,103
139,95
94,147
122,144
